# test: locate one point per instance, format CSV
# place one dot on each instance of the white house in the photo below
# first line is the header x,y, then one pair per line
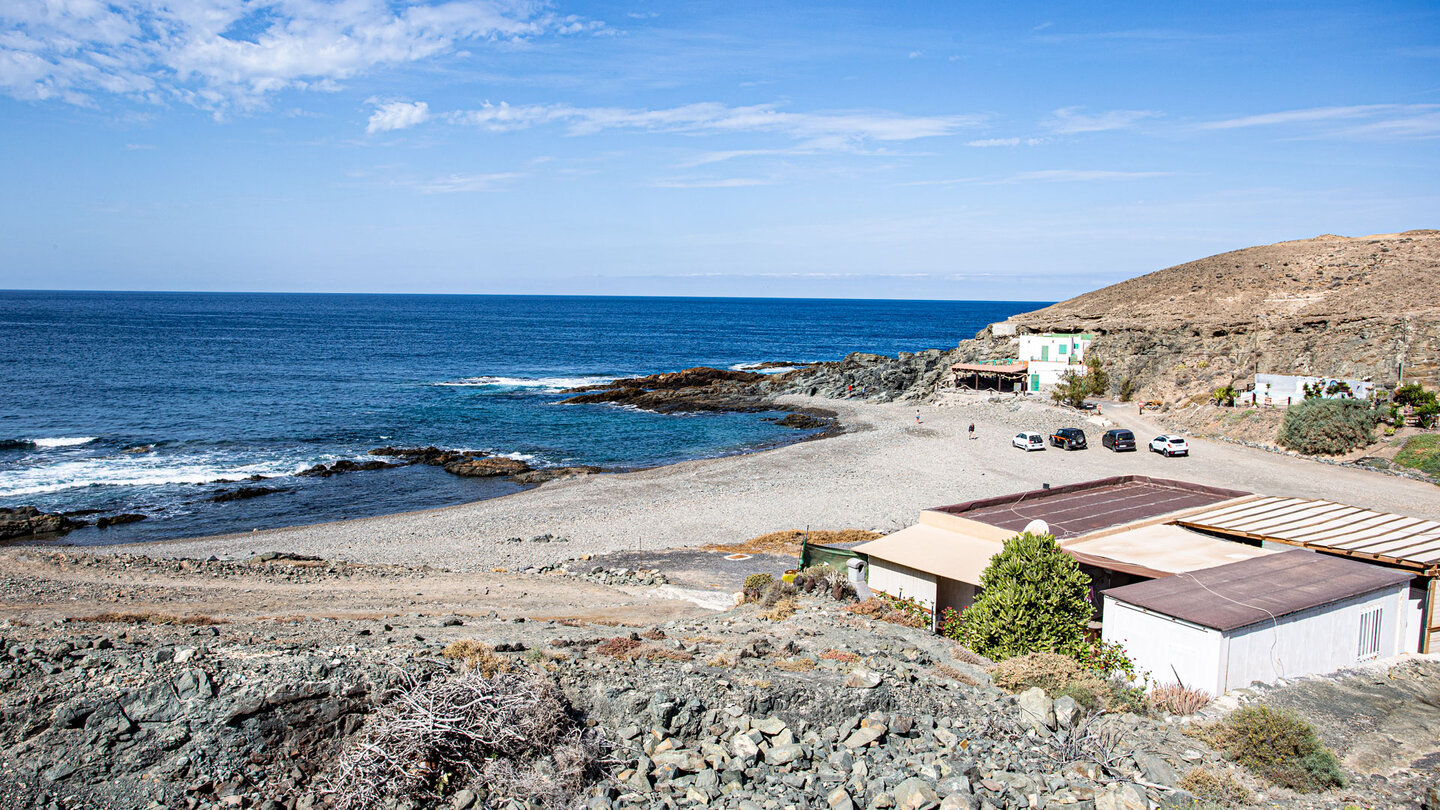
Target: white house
x,y
1261,619
1283,389
1050,355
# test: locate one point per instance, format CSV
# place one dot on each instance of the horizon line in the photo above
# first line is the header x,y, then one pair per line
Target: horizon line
x,y
517,295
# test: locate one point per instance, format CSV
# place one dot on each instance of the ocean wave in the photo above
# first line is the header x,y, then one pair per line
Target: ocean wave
x,y
45,444
542,383
128,471
64,441
756,367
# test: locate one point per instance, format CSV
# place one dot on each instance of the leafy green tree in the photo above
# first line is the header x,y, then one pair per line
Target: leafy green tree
x,y
1071,390
1096,377
1328,426
1035,599
1224,395
1127,389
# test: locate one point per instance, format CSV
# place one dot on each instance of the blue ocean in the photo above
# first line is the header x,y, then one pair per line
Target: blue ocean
x,y
140,402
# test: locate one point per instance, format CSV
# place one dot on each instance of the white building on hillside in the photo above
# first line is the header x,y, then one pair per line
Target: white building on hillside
x,y
1281,390
1050,355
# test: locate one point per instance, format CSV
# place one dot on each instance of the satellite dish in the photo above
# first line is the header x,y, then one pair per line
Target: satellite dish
x,y
1037,527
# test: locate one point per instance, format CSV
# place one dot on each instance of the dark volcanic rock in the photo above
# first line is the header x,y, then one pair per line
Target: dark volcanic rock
x,y
694,389
552,473
27,521
116,520
244,493
344,466
802,421
486,467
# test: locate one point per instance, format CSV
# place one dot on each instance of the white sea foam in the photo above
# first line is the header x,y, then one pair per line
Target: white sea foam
x,y
543,383
755,368
127,471
63,441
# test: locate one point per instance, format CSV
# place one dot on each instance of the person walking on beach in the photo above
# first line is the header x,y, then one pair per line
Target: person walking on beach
x,y
972,430
917,416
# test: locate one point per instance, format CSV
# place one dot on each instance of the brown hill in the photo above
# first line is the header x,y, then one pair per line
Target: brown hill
x,y
1330,306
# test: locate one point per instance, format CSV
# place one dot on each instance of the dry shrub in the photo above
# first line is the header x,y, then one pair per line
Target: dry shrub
x,y
841,656
621,647
947,671
725,659
1222,788
476,656
795,665
570,622
782,609
775,592
653,634
506,732
882,609
651,652
1173,698
1278,746
788,542
148,618
1050,671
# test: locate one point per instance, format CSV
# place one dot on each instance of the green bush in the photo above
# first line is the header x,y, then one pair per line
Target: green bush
x,y
1280,747
1328,426
755,584
1221,788
1035,599
1127,389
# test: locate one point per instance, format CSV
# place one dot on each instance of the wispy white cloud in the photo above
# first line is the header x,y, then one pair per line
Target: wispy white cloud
x,y
395,115
222,54
984,142
1354,121
1079,175
139,146
915,54
1069,120
457,183
725,182
713,117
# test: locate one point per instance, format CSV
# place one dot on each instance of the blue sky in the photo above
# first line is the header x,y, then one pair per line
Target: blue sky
x,y
931,150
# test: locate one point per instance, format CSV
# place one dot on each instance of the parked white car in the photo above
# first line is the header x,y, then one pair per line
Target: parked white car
x,y
1169,446
1029,440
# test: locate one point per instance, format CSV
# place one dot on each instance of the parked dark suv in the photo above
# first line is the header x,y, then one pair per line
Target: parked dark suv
x,y
1118,440
1068,439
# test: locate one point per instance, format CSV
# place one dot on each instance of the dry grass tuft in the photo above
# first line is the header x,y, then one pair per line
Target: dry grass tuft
x,y
148,618
788,542
781,610
510,733
947,671
1173,698
1222,788
840,655
1050,671
620,647
882,610
653,634
476,656
965,655
795,665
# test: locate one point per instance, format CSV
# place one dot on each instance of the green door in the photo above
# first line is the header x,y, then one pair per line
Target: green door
x,y
1034,382
1044,353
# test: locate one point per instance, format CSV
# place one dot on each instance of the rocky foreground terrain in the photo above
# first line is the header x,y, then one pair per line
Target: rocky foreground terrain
x,y
821,708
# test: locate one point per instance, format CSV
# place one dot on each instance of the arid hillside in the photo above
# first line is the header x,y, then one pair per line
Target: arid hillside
x,y
1330,306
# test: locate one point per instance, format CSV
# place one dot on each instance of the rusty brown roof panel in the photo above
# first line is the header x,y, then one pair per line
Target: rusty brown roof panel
x,y
1235,595
1075,509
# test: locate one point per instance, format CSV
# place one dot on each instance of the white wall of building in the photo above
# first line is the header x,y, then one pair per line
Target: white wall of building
x,y
1164,647
1280,388
1315,641
1050,355
899,580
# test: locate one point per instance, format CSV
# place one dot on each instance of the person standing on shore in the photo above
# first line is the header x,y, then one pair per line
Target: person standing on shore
x,y
917,416
972,430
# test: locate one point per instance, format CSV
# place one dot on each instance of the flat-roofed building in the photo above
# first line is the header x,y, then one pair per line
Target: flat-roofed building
x,y
1275,616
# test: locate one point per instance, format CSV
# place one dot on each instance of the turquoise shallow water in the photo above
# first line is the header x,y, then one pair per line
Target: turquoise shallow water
x,y
224,386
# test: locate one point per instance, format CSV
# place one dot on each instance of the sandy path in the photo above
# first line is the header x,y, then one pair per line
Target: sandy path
x,y
876,476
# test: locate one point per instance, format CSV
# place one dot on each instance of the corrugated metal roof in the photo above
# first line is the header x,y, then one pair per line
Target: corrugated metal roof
x,y
1328,526
1076,509
1261,589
